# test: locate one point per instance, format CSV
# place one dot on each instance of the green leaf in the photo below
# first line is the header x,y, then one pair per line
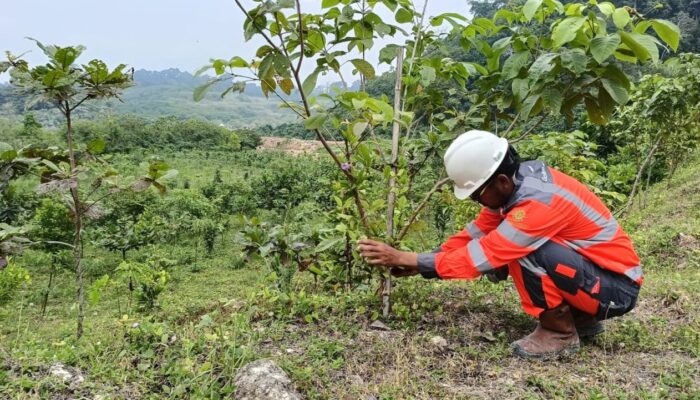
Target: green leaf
x,y
219,66
329,3
575,60
65,57
309,83
642,45
388,53
566,30
530,104
606,8
520,88
553,97
594,112
237,62
315,121
364,67
359,127
604,46
96,146
542,65
404,15
621,18
512,66
8,155
616,91
427,75
530,8
201,90
667,31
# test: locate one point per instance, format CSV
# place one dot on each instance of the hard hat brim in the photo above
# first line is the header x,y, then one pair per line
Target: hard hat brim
x,y
461,193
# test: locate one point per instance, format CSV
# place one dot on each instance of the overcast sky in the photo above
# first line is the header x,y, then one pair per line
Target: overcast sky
x,y
150,34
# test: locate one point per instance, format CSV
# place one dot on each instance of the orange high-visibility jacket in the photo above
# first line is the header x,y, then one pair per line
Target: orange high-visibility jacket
x,y
546,205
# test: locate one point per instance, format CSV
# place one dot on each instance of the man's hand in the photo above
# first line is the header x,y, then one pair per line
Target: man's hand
x,y
377,253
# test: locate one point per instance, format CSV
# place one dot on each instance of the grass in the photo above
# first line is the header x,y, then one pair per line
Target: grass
x,y
212,321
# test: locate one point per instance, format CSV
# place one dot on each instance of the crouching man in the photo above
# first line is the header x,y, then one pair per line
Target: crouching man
x,y
570,260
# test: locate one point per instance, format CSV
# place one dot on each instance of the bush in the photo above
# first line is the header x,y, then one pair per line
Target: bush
x,y
11,278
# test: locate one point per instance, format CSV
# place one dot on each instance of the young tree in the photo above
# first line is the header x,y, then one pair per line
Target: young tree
x,y
67,85
541,59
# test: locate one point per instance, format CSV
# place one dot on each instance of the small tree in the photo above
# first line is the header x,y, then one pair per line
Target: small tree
x,y
536,60
67,86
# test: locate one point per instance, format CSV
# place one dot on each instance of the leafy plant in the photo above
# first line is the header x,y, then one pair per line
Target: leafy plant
x,y
541,59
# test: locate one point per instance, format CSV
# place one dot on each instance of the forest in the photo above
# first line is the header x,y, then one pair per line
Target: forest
x,y
150,247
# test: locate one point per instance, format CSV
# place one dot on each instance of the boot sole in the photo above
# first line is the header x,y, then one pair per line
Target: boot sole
x,y
569,350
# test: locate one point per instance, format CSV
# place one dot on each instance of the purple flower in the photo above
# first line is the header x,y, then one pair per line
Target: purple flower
x,y
345,166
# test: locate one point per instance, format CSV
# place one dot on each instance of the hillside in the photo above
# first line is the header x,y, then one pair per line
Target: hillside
x,y
169,92
217,315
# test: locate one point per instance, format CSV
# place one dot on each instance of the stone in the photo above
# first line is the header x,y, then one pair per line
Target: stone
x,y
264,380
439,342
379,326
69,375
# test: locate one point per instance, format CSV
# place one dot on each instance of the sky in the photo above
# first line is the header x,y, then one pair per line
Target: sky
x,y
147,34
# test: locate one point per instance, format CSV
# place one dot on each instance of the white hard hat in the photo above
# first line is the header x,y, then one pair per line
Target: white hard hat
x,y
472,158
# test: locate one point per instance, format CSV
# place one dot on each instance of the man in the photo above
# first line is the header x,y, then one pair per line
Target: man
x,y
571,262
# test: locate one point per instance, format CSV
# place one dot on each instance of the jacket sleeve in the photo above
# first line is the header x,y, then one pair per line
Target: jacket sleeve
x,y
487,220
525,228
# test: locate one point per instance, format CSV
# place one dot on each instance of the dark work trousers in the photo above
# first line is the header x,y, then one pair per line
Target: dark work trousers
x,y
555,273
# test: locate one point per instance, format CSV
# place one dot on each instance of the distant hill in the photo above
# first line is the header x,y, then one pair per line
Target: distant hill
x,y
169,92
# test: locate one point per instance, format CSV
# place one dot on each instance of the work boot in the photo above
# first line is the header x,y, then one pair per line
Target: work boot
x,y
587,325
555,335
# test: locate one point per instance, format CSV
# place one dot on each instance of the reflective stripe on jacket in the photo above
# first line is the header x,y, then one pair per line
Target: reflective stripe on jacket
x,y
546,205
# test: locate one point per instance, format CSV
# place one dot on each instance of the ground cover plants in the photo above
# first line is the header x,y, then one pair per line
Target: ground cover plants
x,y
183,252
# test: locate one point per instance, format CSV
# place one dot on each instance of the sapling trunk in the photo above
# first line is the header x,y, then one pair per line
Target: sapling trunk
x,y
391,197
77,221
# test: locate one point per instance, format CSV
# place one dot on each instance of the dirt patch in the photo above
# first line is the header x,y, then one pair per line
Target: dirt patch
x,y
294,147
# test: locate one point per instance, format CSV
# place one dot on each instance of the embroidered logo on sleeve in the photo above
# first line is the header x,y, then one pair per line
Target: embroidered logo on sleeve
x,y
518,215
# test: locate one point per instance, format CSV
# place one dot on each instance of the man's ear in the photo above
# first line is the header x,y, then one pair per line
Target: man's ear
x,y
504,182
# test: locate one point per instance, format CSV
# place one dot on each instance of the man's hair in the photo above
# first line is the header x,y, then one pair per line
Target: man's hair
x,y
510,163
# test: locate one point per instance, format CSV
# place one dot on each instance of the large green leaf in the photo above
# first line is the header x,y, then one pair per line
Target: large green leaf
x,y
65,56
595,114
553,97
641,44
607,8
329,3
514,63
364,67
309,83
403,16
388,53
530,8
575,60
566,30
542,65
315,121
667,31
621,18
604,46
616,91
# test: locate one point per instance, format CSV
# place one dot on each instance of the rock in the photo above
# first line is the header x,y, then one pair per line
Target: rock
x,y
439,342
379,326
69,375
263,380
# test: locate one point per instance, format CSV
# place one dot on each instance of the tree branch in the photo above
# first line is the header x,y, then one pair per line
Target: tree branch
x,y
438,185
532,128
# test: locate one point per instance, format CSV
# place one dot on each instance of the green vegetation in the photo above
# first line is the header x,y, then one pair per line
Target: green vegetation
x,y
191,253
